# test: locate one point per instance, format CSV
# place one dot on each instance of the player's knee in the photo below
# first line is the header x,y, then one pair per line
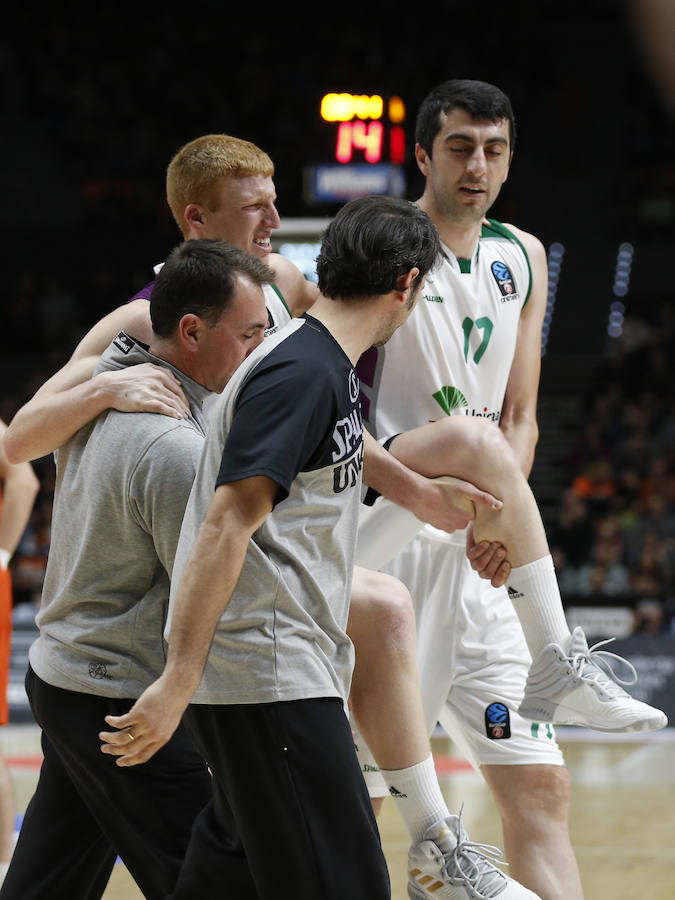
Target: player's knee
x,y
559,787
542,798
381,612
492,450
474,447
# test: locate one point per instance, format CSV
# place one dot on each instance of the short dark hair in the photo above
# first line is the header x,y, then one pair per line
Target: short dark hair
x,y
479,98
200,277
370,243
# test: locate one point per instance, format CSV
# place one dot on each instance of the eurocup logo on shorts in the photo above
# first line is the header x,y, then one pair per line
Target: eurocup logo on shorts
x,y
497,722
504,280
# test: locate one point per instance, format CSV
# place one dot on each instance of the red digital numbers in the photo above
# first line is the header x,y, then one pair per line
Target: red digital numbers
x,y
361,134
365,136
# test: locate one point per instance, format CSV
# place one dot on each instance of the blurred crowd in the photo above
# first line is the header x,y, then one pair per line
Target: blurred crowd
x,y
95,109
613,535
613,538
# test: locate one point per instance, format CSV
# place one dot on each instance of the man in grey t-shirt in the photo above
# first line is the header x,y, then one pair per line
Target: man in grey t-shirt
x,y
260,594
122,485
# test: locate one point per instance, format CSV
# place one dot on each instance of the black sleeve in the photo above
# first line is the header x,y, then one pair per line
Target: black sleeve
x,y
282,424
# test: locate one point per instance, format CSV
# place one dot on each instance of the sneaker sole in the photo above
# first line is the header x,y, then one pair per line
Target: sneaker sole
x,y
545,711
415,894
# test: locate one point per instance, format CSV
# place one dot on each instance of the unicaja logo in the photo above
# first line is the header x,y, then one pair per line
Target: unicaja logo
x,y
450,398
483,414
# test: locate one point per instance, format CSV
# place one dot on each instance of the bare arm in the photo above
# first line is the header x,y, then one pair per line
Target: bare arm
x,y
446,502
297,291
519,413
71,398
518,420
20,487
209,578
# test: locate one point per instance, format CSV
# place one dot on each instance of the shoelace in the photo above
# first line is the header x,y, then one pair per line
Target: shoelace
x,y
475,863
600,660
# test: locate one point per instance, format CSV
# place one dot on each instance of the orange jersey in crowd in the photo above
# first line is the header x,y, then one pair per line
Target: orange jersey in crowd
x,y
5,639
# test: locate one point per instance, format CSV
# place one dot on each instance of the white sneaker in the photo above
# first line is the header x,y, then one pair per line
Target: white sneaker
x,y
572,686
448,866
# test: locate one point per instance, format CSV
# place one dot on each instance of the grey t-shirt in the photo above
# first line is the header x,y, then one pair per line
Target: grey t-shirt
x,y
122,483
291,412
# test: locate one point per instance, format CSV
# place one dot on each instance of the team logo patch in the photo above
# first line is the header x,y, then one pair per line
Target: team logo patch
x,y
354,387
449,398
497,722
396,793
123,342
98,670
504,279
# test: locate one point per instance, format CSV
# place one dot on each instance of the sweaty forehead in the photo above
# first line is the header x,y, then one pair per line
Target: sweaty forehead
x,y
458,122
241,190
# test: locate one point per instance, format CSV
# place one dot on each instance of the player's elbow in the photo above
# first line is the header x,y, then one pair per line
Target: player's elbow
x,y
513,422
13,448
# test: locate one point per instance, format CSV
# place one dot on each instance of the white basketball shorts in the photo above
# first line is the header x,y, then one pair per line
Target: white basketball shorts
x,y
472,656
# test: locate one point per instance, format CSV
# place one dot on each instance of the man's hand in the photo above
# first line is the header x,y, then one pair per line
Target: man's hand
x,y
488,558
147,726
145,388
449,503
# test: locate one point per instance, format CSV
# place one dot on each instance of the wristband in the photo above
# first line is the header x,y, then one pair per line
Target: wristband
x,y
5,557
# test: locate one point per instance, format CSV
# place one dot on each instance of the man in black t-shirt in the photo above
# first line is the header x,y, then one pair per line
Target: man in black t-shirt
x,y
262,578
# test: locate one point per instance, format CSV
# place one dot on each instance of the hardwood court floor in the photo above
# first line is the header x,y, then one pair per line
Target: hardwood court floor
x,y
622,822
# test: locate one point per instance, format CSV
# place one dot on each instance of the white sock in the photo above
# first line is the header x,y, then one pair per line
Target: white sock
x,y
418,796
533,589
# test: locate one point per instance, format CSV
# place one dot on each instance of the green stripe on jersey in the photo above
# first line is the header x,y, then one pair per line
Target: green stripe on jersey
x,y
281,297
495,228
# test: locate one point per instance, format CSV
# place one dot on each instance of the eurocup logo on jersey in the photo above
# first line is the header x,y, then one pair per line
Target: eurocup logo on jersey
x,y
505,282
348,442
497,722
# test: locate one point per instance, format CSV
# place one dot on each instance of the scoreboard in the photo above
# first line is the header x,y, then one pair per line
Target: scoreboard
x,y
368,125
367,149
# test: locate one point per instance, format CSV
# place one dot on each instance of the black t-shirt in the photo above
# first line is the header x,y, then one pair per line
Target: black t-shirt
x,y
297,411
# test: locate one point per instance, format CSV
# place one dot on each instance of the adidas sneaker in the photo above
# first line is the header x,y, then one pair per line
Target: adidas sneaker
x,y
448,866
575,685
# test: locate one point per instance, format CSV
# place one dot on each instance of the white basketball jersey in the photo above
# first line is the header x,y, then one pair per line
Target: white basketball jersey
x,y
453,355
277,312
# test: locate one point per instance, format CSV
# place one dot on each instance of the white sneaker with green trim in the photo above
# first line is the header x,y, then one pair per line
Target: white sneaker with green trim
x,y
576,685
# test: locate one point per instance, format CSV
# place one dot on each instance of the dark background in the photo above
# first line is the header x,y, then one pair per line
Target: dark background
x,y
95,101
